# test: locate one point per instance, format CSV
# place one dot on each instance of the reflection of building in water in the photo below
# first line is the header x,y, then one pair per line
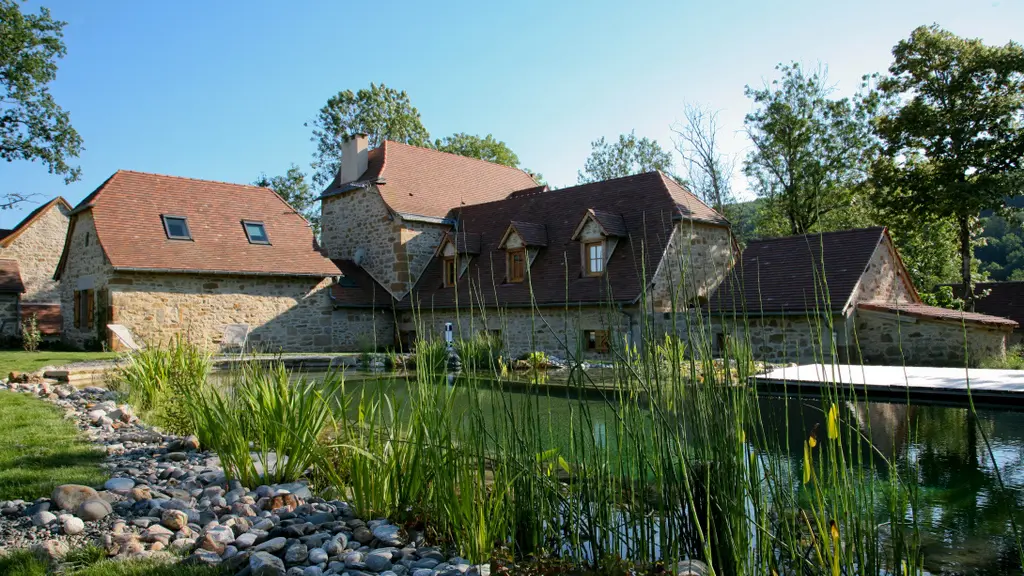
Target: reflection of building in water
x,y
886,425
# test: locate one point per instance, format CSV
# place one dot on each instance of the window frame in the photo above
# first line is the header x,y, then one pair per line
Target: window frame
x,y
260,223
588,261
167,229
510,263
449,271
598,341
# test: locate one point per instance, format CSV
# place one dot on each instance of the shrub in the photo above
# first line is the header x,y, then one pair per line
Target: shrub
x,y
281,415
431,356
30,334
480,352
1014,360
157,381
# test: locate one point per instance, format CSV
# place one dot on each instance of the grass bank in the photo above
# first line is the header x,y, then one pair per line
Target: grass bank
x,y
21,361
40,450
90,562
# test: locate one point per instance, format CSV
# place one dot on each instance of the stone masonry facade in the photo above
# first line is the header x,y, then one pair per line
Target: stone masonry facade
x,y
9,314
283,313
700,255
884,338
554,330
87,269
358,225
37,249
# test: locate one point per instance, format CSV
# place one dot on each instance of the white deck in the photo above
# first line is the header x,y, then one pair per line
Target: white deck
x,y
899,380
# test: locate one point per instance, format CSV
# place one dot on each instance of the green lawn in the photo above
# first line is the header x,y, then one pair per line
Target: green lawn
x,y
40,450
21,361
86,562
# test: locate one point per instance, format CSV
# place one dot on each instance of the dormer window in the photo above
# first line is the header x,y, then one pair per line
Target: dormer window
x,y
595,258
256,232
176,227
516,264
451,271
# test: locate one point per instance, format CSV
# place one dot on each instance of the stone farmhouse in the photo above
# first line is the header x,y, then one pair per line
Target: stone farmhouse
x,y
845,296
28,256
414,239
1005,299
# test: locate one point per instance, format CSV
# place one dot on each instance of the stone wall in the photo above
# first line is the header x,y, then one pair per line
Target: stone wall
x,y
290,314
523,330
701,255
86,268
884,279
37,250
884,338
784,339
362,330
394,251
9,316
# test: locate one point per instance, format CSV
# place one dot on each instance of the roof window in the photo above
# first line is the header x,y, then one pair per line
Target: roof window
x,y
256,232
176,227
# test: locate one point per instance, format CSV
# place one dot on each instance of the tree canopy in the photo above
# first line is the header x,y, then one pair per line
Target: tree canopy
x,y
32,126
487,148
809,151
380,112
952,129
630,155
294,189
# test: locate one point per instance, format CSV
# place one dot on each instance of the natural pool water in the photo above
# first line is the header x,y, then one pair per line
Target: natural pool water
x,y
965,518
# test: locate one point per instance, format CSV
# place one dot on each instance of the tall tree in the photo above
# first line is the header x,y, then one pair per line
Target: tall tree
x,y
32,126
708,170
953,131
810,151
292,187
630,155
487,148
381,112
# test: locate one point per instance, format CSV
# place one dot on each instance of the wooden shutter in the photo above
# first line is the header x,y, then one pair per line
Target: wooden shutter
x,y
77,310
90,308
602,340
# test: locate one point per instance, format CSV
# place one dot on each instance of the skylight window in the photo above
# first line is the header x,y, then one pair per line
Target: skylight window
x,y
256,232
176,227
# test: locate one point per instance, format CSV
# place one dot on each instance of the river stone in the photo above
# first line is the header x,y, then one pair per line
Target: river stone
x,y
388,534
266,564
95,509
207,557
174,519
296,554
274,545
43,518
312,571
50,550
317,556
73,526
119,484
245,540
377,562
216,539
69,497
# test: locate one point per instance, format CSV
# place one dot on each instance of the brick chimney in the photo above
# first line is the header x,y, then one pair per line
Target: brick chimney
x,y
354,156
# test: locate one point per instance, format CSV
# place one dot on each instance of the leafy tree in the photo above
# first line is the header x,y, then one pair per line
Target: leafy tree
x,y
487,148
382,113
952,131
810,152
292,187
630,155
32,126
708,170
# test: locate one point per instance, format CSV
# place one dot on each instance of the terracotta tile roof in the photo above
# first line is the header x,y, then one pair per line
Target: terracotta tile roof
x,y
648,209
127,210
935,313
426,182
48,317
8,236
1005,299
531,233
358,289
798,274
10,277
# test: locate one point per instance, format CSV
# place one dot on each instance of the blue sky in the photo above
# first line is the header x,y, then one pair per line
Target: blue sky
x,y
221,90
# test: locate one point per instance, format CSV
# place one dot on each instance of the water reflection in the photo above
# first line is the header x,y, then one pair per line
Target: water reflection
x,y
964,515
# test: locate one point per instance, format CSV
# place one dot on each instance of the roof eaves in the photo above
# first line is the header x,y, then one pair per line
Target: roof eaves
x,y
222,272
350,186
